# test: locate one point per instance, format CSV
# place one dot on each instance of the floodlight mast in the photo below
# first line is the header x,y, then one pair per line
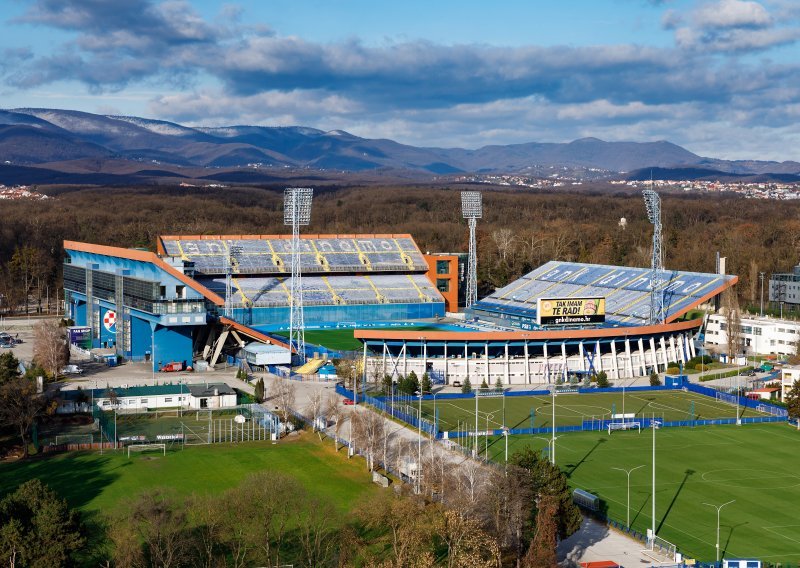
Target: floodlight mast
x,y
297,212
472,210
231,262
652,202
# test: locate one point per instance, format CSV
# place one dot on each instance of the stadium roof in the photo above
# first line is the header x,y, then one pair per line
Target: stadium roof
x,y
626,291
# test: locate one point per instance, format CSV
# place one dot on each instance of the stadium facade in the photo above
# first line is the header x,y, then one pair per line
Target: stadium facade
x,y
173,305
511,345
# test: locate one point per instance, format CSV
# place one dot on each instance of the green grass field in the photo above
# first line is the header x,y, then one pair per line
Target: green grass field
x,y
94,482
572,409
343,340
757,465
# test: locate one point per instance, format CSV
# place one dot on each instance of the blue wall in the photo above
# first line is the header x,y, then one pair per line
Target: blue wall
x,y
173,344
141,338
273,319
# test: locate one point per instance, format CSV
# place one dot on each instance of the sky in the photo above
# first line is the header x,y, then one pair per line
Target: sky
x,y
719,77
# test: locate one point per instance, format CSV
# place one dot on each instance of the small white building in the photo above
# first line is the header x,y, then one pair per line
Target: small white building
x,y
759,335
188,396
789,374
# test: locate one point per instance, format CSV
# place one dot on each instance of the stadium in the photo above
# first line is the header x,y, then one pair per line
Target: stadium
x,y
199,298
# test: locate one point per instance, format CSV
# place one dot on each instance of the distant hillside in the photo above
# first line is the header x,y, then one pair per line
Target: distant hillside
x,y
50,138
677,174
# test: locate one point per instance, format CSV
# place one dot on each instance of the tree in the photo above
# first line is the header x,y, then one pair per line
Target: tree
x,y
498,385
602,379
282,392
9,367
542,551
484,386
412,383
655,381
425,384
20,407
368,432
793,402
333,411
386,385
259,391
315,408
346,371
162,525
37,528
466,386
733,327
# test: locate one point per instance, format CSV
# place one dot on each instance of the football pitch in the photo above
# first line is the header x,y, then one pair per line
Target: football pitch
x,y
571,409
343,340
756,465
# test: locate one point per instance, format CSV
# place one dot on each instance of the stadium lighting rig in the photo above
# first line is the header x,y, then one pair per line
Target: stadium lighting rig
x,y
233,253
652,202
472,210
297,213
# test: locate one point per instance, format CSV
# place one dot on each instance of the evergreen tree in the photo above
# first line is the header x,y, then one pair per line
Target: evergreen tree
x,y
654,380
484,386
498,385
386,384
466,386
602,380
426,383
259,391
412,383
9,367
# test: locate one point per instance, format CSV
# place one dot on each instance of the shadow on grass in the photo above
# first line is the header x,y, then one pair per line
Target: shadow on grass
x,y
78,477
686,475
575,466
724,548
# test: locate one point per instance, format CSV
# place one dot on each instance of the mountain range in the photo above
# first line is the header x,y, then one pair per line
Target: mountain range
x,y
66,141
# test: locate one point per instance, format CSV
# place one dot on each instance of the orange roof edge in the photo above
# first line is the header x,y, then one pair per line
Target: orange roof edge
x,y
707,297
529,335
302,236
144,256
252,332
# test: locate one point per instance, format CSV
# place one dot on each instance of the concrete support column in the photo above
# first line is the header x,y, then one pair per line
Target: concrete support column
x,y
614,362
692,350
642,362
508,364
582,355
424,356
598,357
664,354
628,362
564,367
546,364
466,361
653,354
405,358
446,366
675,356
527,365
486,358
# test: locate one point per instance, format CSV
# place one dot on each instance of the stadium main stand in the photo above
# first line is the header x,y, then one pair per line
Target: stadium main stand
x,y
626,290
340,272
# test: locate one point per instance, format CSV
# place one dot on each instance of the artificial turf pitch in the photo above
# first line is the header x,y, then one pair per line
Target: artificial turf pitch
x,y
755,464
572,409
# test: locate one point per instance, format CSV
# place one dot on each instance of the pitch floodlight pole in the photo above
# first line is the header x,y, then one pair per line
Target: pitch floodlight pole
x,y
233,252
297,212
472,210
719,508
653,203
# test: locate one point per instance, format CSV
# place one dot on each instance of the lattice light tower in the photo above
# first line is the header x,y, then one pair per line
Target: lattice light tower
x,y
231,261
472,210
297,212
653,203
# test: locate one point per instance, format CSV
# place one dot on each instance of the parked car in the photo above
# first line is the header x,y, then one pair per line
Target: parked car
x,y
456,383
348,402
71,370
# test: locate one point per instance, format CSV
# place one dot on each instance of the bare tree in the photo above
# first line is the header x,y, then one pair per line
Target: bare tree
x,y
315,407
282,392
733,323
368,431
50,348
333,411
505,241
317,534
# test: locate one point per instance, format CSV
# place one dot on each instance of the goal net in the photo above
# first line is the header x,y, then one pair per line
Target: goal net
x,y
727,398
203,415
662,547
147,448
74,439
624,426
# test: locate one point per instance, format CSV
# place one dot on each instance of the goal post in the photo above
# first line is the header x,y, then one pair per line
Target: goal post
x,y
624,426
147,448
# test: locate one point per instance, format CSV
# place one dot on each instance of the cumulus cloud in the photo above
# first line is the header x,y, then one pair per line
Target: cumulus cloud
x,y
226,70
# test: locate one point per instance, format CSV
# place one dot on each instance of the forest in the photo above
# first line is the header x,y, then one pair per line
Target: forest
x,y
520,229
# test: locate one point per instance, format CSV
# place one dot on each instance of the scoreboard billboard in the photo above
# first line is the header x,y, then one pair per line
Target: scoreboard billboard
x,y
81,336
570,311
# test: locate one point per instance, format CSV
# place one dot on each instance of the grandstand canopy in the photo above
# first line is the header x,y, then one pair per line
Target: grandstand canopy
x,y
271,254
626,290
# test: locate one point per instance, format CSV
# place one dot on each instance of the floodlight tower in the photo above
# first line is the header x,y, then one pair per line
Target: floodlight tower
x,y
653,203
233,252
297,212
472,210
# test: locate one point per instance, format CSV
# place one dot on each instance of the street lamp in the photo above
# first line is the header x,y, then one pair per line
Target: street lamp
x,y
505,434
628,506
419,441
719,508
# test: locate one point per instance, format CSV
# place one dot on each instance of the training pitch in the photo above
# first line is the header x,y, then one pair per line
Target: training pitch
x,y
572,409
754,464
95,482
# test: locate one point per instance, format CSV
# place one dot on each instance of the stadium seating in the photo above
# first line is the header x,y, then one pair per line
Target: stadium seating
x,y
626,290
272,255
